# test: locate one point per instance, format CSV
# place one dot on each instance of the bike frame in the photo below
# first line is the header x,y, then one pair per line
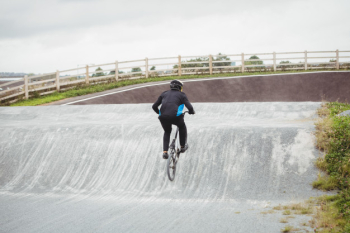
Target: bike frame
x,y
174,154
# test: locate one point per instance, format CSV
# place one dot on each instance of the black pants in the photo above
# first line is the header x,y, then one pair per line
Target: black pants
x,y
166,124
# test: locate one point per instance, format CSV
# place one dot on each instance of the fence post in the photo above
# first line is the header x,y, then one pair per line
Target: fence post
x,y
242,62
337,58
179,66
87,75
116,71
210,64
57,80
26,94
305,57
146,67
274,61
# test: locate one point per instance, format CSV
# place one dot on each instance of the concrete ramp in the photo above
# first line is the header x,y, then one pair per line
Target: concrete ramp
x,y
98,168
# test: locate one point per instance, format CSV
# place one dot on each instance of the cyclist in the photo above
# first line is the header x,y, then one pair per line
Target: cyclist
x,y
170,113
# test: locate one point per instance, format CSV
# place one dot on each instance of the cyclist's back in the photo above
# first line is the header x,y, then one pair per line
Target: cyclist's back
x,y
170,113
173,102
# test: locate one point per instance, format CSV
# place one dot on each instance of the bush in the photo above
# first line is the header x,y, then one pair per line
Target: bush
x,y
333,136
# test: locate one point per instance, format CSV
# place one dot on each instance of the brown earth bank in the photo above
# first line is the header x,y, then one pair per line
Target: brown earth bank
x,y
315,87
10,85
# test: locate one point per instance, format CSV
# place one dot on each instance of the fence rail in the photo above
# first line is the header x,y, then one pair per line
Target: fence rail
x,y
174,66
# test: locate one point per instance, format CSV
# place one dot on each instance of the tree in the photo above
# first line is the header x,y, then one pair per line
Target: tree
x,y
98,74
136,69
253,62
284,62
333,60
200,59
205,59
113,72
153,68
221,58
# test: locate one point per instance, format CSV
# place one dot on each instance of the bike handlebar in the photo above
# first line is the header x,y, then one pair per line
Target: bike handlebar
x,y
185,113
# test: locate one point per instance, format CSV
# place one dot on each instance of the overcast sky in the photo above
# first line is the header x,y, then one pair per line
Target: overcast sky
x,y
42,36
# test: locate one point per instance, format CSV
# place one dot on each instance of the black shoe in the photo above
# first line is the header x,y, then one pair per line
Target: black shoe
x,y
183,149
165,155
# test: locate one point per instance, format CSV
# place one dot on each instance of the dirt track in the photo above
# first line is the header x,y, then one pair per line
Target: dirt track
x,y
315,87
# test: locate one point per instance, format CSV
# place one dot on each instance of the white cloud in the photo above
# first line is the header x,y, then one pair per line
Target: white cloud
x,y
49,35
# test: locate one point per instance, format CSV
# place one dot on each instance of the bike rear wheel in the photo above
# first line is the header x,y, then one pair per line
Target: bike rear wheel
x,y
171,165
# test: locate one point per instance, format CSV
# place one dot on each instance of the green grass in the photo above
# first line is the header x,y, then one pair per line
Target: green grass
x,y
325,183
328,218
89,89
283,220
287,228
287,212
321,164
333,136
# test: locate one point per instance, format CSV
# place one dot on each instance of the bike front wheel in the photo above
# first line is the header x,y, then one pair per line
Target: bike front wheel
x,y
171,165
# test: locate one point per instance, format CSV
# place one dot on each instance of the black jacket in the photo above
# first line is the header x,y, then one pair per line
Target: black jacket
x,y
173,103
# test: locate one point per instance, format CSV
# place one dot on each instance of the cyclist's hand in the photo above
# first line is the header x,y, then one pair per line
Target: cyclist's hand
x,y
192,113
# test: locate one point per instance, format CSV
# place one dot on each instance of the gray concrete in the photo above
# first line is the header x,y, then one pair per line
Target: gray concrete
x,y
98,168
345,113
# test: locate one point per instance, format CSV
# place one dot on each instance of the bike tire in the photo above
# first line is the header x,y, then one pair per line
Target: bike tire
x,y
171,165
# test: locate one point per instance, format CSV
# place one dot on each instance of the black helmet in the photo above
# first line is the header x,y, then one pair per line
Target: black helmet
x,y
176,85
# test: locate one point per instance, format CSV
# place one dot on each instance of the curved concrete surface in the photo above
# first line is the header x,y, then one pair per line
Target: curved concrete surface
x,y
99,168
296,87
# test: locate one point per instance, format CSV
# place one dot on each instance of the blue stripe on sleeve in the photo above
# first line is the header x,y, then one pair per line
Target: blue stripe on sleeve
x,y
180,109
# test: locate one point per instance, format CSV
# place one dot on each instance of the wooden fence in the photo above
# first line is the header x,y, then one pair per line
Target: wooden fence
x,y
186,65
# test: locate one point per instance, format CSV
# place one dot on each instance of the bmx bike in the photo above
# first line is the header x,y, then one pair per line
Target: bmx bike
x,y
174,155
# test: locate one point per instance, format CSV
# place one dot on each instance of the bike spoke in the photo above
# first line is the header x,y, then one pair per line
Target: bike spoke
x,y
171,166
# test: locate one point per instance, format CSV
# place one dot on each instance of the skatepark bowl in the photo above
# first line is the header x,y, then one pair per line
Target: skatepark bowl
x,y
99,167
